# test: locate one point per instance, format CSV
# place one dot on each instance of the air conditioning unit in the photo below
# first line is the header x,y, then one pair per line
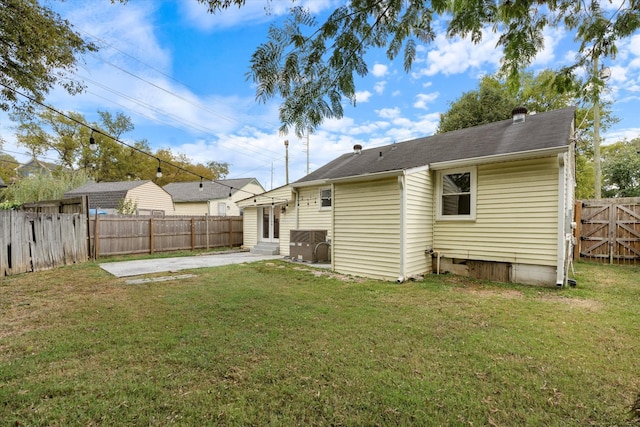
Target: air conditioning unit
x,y
309,245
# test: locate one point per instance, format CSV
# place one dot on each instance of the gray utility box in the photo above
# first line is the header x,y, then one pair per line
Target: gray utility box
x,y
309,245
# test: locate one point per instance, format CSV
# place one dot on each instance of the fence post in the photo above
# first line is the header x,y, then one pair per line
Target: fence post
x,y
206,228
612,230
577,233
230,232
96,236
151,236
193,234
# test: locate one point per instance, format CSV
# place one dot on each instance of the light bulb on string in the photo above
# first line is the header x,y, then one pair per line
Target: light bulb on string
x,y
159,173
201,188
92,142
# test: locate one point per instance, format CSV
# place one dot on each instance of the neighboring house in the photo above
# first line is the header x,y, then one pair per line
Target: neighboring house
x,y
493,201
34,167
2,184
149,198
217,198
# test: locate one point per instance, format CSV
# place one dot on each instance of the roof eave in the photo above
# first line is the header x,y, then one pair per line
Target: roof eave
x,y
520,155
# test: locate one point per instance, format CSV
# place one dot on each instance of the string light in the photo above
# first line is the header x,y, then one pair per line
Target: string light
x,y
200,188
92,142
94,146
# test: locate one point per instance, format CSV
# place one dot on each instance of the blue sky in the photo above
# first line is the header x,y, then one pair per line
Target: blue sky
x,y
179,73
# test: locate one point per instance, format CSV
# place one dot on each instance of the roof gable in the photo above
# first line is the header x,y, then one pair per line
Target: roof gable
x,y
538,132
211,190
105,194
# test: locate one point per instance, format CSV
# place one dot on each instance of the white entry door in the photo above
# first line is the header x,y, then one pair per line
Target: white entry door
x,y
269,223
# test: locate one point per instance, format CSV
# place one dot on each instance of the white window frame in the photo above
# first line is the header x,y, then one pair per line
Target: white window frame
x,y
472,170
320,190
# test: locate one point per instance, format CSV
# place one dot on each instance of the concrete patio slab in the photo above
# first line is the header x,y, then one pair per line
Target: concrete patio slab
x,y
159,265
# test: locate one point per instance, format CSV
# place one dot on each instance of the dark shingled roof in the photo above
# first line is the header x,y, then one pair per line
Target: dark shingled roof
x,y
539,131
190,191
104,195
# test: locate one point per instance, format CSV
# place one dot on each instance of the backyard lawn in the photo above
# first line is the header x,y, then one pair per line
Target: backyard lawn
x,y
284,344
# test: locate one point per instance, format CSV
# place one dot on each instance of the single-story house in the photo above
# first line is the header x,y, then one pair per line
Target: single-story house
x,y
493,201
35,166
149,198
216,198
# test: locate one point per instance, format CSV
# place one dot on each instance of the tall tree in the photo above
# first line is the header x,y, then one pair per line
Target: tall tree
x,y
8,165
312,65
39,187
109,160
621,169
494,100
491,102
38,50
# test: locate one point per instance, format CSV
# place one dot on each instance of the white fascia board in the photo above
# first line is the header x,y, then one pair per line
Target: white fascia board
x,y
520,155
310,183
367,177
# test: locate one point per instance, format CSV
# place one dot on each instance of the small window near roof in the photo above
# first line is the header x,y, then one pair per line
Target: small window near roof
x,y
457,194
325,198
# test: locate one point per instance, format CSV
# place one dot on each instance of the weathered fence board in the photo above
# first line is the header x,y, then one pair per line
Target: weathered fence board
x,y
118,235
35,241
609,230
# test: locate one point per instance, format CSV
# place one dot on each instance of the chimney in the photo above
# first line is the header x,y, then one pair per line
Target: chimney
x,y
519,114
357,149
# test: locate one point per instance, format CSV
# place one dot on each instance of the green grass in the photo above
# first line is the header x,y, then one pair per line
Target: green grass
x,y
282,344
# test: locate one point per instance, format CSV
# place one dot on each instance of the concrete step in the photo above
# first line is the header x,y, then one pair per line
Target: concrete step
x,y
266,248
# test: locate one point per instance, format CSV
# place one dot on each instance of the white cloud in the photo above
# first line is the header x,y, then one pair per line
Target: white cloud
x,y
380,70
363,96
454,56
552,38
253,12
379,87
422,99
389,113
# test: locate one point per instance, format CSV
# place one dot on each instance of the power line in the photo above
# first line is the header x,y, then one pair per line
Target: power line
x,y
98,131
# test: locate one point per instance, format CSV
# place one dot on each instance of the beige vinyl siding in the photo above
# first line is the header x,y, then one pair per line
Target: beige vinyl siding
x,y
191,208
367,228
250,227
150,196
516,217
310,215
418,223
243,193
279,197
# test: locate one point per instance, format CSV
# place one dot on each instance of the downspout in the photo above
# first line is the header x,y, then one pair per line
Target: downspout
x,y
403,225
333,226
297,207
562,208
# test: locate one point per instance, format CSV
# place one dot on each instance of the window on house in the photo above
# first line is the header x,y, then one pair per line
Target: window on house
x,y
325,198
457,194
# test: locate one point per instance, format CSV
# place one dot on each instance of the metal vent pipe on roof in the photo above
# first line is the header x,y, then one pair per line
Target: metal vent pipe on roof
x,y
519,114
357,149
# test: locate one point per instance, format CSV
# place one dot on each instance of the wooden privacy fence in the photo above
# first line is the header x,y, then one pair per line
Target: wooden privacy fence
x,y
117,235
608,230
33,242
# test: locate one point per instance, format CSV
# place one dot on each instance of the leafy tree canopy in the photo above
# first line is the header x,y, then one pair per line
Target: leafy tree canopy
x,y
495,99
110,160
621,169
38,50
312,64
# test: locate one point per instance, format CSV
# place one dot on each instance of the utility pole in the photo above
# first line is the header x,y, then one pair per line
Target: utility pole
x,y
596,134
286,159
307,152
